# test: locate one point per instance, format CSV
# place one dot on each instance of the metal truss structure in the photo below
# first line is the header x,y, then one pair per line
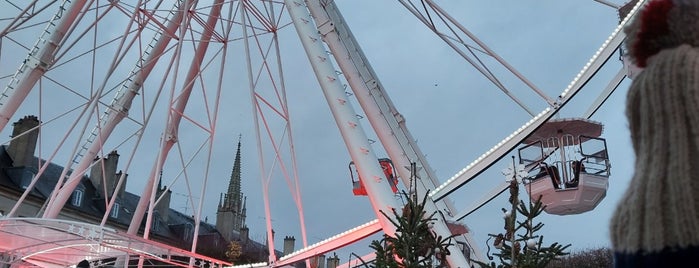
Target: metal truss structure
x,y
150,77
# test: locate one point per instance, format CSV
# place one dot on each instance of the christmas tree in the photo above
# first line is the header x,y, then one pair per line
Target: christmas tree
x,y
520,245
414,244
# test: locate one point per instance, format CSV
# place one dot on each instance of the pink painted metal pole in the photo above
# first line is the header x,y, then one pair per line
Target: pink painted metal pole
x,y
170,136
272,256
119,110
40,59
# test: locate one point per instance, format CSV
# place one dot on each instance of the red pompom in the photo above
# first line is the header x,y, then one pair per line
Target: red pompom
x,y
653,24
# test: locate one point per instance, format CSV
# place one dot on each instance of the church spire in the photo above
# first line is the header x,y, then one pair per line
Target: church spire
x,y
231,209
234,195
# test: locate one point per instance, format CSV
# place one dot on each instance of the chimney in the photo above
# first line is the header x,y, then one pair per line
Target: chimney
x,y
333,261
118,175
319,261
288,245
163,207
244,235
109,177
23,144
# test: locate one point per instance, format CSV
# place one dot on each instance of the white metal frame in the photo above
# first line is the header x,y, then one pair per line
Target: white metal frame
x,y
325,27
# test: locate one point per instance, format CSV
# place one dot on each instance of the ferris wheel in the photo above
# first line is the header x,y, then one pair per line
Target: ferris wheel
x,y
166,83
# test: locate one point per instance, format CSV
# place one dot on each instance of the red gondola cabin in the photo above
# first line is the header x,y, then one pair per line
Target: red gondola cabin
x,y
388,171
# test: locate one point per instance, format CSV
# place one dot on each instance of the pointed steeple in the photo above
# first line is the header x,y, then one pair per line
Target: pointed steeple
x,y
231,208
234,195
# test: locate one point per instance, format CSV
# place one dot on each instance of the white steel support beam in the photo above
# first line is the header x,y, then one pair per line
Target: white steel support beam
x,y
609,4
499,189
604,95
366,161
490,52
39,60
369,92
457,42
117,111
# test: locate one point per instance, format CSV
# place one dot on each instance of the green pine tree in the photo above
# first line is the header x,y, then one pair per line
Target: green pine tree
x,y
414,244
520,246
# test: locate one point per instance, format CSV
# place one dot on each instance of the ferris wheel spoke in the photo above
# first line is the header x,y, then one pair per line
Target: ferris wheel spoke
x,y
25,14
609,4
37,62
119,107
452,26
175,114
608,90
273,128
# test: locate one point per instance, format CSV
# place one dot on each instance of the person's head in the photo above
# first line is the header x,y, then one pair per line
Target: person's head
x,y
660,25
83,264
663,38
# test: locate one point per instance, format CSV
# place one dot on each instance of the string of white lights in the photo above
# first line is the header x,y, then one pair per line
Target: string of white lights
x,y
335,237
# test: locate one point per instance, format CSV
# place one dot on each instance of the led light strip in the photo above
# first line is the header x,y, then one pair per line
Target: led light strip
x,y
497,146
603,47
329,239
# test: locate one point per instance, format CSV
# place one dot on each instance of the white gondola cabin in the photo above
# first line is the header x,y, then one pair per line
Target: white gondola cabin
x,y
570,164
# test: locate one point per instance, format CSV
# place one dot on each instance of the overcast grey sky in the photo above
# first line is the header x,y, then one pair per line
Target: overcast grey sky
x,y
452,111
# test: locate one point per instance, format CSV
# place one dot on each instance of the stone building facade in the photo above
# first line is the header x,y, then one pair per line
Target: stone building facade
x,y
19,165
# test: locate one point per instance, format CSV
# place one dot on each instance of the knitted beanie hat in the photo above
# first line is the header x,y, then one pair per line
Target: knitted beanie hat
x,y
662,24
658,215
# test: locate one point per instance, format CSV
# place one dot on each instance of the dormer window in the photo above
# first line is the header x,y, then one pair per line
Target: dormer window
x,y
156,225
26,180
77,198
115,211
188,232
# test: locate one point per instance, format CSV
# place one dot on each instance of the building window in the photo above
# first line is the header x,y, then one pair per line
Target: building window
x,y
77,198
24,183
188,232
115,211
156,225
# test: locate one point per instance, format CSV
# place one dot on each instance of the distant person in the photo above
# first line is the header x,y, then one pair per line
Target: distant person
x,y
83,264
656,223
542,172
577,167
551,172
555,176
